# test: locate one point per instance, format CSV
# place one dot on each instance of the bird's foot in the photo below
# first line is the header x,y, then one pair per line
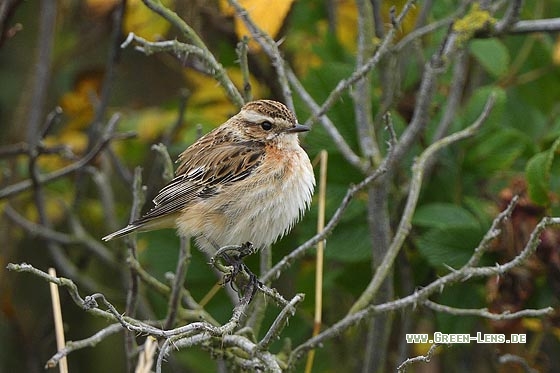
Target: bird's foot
x,y
236,273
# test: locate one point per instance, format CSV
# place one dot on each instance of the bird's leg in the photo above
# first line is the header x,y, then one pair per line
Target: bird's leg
x,y
237,273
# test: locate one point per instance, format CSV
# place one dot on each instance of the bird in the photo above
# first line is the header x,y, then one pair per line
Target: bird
x,y
246,181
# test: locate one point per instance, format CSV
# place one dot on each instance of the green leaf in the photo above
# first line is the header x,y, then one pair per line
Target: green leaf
x,y
538,174
492,55
448,247
455,297
477,102
537,178
497,150
444,216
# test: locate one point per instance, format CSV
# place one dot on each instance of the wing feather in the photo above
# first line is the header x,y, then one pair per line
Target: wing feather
x,y
207,166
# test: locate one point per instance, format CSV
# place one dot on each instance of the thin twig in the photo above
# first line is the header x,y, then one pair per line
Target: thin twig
x,y
92,341
242,50
436,286
280,322
86,159
58,326
364,69
217,69
317,316
483,312
286,261
538,25
422,358
178,281
271,48
517,360
405,224
327,124
138,193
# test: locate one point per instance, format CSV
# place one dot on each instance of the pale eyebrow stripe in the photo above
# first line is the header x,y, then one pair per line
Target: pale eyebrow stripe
x,y
253,116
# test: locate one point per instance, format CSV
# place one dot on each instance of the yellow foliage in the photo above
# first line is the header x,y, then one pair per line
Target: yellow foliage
x,y
208,95
534,325
78,104
92,210
76,140
346,31
422,348
153,122
143,22
53,208
267,15
409,20
305,58
476,19
556,52
346,21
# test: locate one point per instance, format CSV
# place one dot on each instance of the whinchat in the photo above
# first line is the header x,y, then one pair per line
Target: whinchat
x,y
248,180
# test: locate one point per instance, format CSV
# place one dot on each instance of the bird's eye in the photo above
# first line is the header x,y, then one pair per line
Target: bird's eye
x,y
267,126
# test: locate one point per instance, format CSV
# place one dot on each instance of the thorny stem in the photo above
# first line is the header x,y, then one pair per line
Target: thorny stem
x,y
405,224
438,285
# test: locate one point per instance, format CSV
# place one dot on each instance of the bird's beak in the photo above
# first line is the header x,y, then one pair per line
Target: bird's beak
x,y
298,128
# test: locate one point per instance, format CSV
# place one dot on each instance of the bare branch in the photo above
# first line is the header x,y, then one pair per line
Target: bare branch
x,y
422,358
538,25
483,312
335,219
436,286
85,160
92,341
405,224
218,71
271,48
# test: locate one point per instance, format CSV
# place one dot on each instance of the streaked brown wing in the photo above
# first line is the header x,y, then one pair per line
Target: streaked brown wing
x,y
206,167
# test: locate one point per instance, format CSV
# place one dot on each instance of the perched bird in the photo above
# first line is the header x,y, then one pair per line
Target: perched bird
x,y
248,180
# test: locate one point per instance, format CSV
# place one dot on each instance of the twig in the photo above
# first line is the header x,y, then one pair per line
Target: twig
x,y
180,50
538,25
271,49
422,358
58,326
168,172
511,16
218,71
518,360
405,224
327,124
47,23
92,341
362,70
436,286
199,332
241,51
280,322
286,261
178,281
138,193
113,56
483,312
198,313
86,159
317,317
362,92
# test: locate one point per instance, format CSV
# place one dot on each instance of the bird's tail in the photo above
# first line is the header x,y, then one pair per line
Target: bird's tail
x,y
145,223
121,232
